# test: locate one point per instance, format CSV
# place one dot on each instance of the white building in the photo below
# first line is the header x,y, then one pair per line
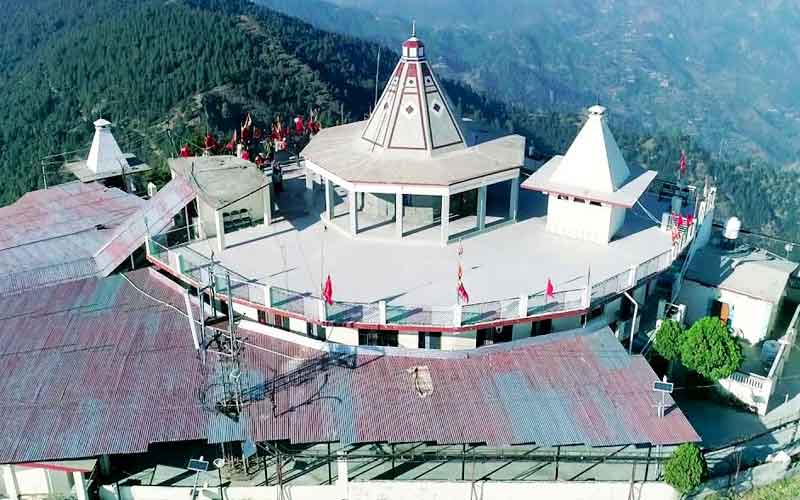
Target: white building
x,y
744,287
383,206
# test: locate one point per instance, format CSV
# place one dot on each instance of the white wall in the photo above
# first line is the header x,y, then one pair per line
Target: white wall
x,y
254,203
32,481
342,335
414,490
459,341
580,220
409,340
752,316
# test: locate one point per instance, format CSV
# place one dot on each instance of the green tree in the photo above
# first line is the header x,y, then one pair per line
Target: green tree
x,y
686,468
710,350
668,340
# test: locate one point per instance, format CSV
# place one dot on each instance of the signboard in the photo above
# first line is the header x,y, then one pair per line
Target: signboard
x,y
198,465
663,387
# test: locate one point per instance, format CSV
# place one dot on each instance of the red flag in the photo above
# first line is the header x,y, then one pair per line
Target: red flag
x,y
246,155
549,291
299,126
463,296
327,291
689,220
210,142
680,220
184,152
682,167
460,271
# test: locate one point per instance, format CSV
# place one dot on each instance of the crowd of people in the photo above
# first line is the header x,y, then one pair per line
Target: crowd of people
x,y
252,143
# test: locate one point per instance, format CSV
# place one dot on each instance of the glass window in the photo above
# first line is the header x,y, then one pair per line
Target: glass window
x,y
384,338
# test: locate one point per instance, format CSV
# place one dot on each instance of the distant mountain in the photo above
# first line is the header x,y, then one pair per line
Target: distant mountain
x,y
175,68
721,70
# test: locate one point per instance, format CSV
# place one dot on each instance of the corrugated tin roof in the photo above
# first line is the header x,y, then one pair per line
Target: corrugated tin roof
x,y
76,230
93,367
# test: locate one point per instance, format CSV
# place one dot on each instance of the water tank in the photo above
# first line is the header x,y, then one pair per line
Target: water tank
x,y
732,228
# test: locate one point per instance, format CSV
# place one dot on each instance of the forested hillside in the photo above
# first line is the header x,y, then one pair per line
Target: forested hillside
x,y
164,70
721,70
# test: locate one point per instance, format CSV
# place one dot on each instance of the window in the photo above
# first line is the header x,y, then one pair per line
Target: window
x,y
315,331
385,338
563,197
541,327
277,321
489,336
430,340
262,317
597,312
596,203
579,200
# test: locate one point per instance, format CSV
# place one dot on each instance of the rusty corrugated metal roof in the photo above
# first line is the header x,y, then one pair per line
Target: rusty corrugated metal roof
x,y
93,367
75,231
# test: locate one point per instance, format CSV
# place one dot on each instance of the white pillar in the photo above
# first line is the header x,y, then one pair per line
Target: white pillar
x,y
342,475
481,208
513,208
10,480
398,215
267,296
382,312
309,193
220,230
523,306
632,279
457,315
268,204
445,218
80,486
328,199
351,197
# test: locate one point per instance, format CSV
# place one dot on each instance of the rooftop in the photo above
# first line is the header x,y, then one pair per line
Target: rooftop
x,y
297,253
220,180
73,388
340,151
745,270
76,230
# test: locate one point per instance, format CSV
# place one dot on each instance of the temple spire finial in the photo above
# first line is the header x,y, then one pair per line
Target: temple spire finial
x,y
413,28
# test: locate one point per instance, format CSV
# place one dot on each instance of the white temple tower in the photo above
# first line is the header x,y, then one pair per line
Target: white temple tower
x,y
591,187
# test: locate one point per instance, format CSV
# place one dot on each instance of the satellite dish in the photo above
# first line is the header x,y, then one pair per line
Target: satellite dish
x,y
219,463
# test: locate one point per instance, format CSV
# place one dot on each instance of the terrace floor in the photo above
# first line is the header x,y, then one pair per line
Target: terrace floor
x,y
297,252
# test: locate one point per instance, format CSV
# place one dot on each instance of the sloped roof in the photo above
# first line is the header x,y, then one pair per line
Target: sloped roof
x,y
749,271
593,168
413,113
340,151
77,230
97,367
413,136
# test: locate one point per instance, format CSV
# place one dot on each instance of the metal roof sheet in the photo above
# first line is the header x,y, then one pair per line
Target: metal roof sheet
x,y
94,366
75,231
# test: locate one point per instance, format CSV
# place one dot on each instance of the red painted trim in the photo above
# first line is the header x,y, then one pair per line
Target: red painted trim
x,y
61,468
413,44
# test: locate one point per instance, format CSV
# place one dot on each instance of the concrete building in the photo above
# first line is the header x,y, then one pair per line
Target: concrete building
x,y
60,479
392,207
743,286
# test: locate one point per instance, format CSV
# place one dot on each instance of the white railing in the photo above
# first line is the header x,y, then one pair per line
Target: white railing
x,y
198,270
756,390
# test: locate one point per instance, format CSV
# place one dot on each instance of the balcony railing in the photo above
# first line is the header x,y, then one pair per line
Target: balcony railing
x,y
198,270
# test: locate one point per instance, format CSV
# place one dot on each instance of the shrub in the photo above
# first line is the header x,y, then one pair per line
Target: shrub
x,y
686,468
668,340
710,350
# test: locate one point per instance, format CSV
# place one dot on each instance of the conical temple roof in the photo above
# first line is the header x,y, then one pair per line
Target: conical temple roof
x,y
105,154
413,113
594,160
